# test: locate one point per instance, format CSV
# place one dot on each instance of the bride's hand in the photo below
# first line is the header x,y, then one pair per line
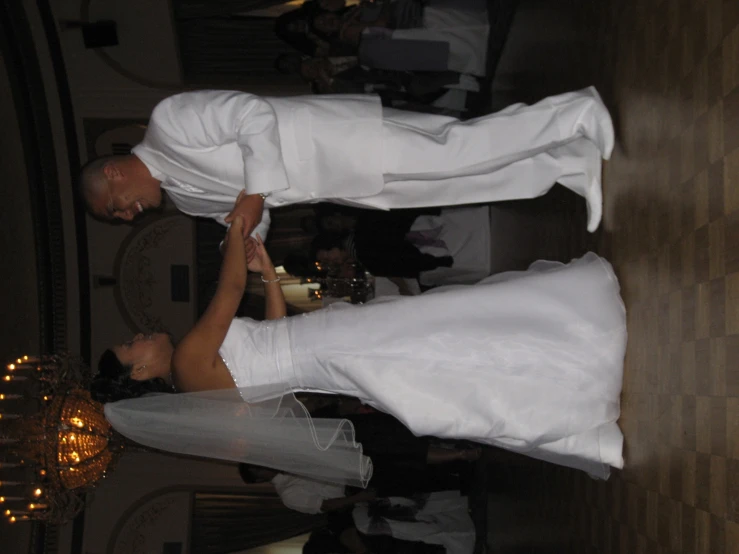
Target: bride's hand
x,y
250,249
236,228
260,260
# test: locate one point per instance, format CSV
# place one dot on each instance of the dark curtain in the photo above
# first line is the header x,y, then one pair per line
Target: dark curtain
x,y
219,45
228,50
195,9
231,522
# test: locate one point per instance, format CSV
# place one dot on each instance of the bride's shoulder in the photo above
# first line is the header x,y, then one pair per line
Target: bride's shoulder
x,y
243,323
240,326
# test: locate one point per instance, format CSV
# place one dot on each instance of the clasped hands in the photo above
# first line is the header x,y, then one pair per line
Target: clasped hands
x,y
249,207
257,259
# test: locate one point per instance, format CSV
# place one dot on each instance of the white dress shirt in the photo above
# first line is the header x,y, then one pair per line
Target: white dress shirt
x,y
172,187
305,495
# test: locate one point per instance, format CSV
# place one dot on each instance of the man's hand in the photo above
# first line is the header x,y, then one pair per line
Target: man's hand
x,y
367,495
344,502
249,207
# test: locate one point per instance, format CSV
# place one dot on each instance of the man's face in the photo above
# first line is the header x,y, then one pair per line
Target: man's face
x,y
331,5
123,198
336,223
309,70
334,257
299,26
327,23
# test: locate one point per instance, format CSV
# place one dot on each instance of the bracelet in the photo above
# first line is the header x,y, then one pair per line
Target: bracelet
x,y
277,280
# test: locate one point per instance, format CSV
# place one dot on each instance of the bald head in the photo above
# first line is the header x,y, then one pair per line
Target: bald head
x,y
118,187
92,182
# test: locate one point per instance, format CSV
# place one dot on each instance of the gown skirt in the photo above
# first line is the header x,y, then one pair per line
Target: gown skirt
x,y
527,361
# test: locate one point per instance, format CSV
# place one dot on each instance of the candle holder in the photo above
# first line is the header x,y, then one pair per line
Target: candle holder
x,y
350,283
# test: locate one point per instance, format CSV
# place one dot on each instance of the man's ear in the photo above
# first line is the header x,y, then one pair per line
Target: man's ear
x,y
112,171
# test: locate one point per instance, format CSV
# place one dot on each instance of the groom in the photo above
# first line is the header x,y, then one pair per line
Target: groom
x,y
220,154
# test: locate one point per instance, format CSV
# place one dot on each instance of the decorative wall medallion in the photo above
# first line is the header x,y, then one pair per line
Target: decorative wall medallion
x,y
144,274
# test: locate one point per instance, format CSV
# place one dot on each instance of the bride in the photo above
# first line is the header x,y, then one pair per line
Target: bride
x,y
526,361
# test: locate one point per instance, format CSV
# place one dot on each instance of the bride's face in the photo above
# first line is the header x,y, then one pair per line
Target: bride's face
x,y
148,355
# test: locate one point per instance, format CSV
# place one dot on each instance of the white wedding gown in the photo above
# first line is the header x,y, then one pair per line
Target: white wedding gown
x,y
527,361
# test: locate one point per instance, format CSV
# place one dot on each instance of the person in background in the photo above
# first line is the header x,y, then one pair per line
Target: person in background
x,y
382,258
308,496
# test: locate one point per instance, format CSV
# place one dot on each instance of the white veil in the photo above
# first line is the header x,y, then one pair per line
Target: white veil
x,y
248,425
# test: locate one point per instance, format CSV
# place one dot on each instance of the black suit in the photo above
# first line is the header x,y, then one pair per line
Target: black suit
x,y
381,246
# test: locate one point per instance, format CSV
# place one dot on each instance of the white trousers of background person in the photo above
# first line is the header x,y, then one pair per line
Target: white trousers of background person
x,y
465,31
465,235
517,153
444,519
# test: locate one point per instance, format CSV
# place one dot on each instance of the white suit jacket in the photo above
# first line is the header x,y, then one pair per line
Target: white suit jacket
x,y
296,149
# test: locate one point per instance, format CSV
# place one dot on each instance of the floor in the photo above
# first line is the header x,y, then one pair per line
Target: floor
x,y
669,70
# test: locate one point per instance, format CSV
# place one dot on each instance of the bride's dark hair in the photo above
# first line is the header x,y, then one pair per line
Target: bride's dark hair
x,y
114,381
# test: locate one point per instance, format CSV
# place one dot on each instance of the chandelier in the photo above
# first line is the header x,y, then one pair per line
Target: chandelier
x,y
55,442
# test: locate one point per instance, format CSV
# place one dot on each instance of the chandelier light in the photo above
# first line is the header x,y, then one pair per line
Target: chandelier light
x,y
55,443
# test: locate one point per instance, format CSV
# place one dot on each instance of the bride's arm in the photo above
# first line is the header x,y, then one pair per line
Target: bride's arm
x,y
275,306
200,346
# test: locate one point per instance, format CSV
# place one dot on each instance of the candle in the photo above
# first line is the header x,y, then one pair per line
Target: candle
x,y
10,483
13,519
8,465
37,506
8,441
9,416
21,364
15,378
10,499
37,492
10,396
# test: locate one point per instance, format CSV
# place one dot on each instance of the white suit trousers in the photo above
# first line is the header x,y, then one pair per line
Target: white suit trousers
x,y
520,152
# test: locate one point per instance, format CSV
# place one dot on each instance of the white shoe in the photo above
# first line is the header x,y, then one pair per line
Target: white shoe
x,y
603,136
594,203
582,175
